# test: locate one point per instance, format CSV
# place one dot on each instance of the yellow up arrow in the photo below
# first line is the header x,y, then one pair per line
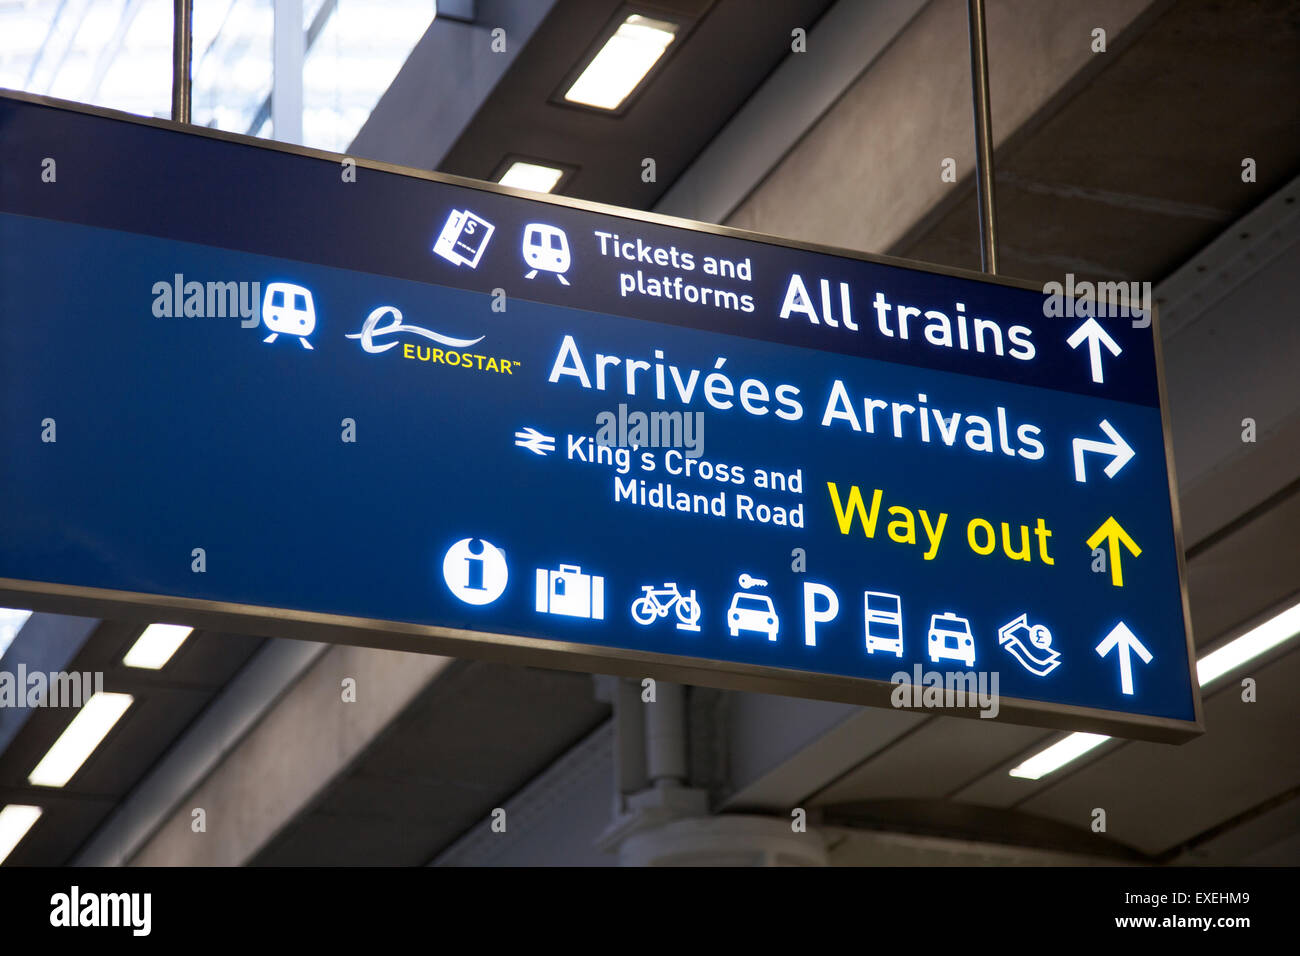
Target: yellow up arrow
x,y
1114,535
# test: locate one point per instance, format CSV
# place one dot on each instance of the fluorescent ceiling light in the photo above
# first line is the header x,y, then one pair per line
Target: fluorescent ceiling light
x,y
538,178
11,622
1058,755
1277,629
80,739
622,62
15,820
156,645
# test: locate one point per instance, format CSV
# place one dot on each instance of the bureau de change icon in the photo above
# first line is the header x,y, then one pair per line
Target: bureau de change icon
x,y
288,309
463,239
1030,644
475,570
568,591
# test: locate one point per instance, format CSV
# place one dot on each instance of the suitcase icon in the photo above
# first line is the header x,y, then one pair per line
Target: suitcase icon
x,y
570,592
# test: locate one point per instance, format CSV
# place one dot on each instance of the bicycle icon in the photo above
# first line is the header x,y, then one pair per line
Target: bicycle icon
x,y
657,602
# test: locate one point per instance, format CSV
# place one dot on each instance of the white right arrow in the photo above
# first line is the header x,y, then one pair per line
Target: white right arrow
x,y
1126,641
1120,451
1096,337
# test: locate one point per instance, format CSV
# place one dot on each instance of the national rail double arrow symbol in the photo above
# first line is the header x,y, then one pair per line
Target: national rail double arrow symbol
x,y
533,440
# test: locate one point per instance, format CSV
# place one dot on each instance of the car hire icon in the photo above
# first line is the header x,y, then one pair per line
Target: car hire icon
x,y
546,249
752,612
288,309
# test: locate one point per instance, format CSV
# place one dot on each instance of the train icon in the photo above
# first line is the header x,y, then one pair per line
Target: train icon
x,y
546,249
288,309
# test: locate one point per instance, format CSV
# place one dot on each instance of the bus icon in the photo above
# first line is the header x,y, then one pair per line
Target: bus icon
x,y
884,622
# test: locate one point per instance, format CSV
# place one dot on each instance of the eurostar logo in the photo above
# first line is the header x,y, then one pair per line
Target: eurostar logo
x,y
371,330
386,321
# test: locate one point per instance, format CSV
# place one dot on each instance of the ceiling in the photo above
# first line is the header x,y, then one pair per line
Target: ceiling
x,y
470,740
1109,181
729,48
166,702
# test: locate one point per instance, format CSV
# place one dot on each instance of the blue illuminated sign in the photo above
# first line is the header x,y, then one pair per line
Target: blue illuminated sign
x,y
238,388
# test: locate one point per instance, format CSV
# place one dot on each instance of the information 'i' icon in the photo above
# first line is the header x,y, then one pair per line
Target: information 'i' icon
x,y
475,570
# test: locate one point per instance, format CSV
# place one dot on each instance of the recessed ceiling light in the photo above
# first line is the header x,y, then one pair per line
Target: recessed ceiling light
x,y
1058,755
534,176
15,820
11,622
1264,637
156,645
622,63
80,739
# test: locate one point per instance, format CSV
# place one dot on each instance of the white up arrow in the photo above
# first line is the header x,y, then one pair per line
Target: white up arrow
x,y
1124,641
1096,337
1119,450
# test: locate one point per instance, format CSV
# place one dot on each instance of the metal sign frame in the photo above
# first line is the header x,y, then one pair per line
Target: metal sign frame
x,y
568,655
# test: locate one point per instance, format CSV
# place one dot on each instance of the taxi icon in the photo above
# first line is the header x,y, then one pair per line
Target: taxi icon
x,y
950,639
